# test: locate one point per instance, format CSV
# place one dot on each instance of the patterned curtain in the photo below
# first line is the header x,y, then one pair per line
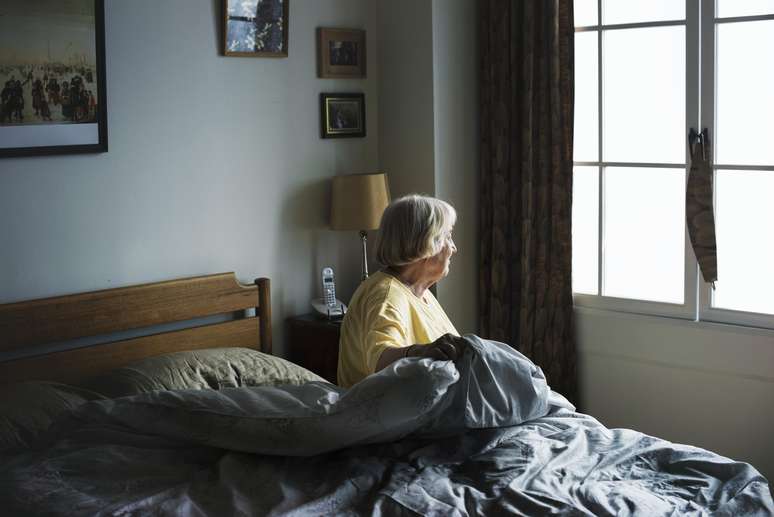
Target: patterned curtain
x,y
526,182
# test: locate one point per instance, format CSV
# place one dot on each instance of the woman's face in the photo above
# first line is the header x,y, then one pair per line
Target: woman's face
x,y
437,266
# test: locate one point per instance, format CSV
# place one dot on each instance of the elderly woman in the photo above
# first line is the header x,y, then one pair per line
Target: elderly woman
x,y
392,314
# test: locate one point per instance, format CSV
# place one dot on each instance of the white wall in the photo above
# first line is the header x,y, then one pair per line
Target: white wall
x,y
455,103
428,133
406,95
703,384
215,164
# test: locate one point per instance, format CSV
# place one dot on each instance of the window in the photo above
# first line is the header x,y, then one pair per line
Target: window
x,y
645,73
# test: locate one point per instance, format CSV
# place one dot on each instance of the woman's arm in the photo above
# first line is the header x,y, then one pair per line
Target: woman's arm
x,y
446,348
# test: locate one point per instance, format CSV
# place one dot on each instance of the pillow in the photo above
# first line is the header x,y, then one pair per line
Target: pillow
x,y
28,408
212,368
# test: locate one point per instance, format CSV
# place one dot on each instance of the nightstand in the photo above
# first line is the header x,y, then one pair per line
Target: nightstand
x,y
313,342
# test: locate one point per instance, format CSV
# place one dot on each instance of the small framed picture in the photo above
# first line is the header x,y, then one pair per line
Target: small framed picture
x,y
52,77
341,53
255,28
342,115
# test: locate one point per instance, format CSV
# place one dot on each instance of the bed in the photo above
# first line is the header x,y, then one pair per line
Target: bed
x,y
188,413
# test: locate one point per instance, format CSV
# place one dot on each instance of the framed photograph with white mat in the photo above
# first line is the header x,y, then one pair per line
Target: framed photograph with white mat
x,y
52,77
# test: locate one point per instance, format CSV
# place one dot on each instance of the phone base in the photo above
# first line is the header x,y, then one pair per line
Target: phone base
x,y
332,312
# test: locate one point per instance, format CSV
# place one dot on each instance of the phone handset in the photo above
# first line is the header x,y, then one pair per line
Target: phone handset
x,y
329,287
328,305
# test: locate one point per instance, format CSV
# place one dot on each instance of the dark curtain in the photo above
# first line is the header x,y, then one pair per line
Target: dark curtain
x,y
526,182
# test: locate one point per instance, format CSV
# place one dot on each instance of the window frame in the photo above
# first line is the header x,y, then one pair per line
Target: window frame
x,y
700,104
686,310
709,24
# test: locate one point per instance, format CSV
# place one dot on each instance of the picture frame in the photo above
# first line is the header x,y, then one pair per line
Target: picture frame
x,y
255,28
52,78
341,53
342,115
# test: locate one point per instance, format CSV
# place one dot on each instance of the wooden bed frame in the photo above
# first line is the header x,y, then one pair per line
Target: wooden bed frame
x,y
29,326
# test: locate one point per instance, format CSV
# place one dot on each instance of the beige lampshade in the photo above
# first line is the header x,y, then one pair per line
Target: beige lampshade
x,y
358,201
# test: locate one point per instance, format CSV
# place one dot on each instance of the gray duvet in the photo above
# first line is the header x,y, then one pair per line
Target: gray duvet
x,y
484,436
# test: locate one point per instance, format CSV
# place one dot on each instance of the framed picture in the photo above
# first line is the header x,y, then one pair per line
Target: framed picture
x,y
341,53
255,28
342,115
52,77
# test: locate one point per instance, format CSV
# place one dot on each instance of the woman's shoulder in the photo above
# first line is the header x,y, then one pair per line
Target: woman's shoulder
x,y
381,289
382,285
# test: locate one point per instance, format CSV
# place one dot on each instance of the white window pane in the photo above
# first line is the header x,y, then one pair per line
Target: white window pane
x,y
585,12
744,218
727,8
585,230
586,132
632,11
644,95
644,239
745,94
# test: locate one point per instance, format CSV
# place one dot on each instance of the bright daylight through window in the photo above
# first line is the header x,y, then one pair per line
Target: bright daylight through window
x,y
645,74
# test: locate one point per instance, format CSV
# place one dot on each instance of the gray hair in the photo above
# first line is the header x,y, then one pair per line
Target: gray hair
x,y
413,228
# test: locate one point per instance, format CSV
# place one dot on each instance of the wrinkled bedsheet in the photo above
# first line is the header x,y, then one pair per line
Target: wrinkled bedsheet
x,y
484,436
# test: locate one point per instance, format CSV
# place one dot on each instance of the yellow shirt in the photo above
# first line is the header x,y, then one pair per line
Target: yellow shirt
x,y
385,313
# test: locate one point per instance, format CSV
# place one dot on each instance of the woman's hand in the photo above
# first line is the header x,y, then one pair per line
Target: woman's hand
x,y
446,348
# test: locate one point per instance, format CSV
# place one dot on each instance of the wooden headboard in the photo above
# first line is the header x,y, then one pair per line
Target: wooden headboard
x,y
31,325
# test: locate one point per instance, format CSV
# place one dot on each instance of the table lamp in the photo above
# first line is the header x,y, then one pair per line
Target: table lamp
x,y
357,203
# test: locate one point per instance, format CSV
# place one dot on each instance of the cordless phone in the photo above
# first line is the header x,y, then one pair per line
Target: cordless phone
x,y
328,305
329,287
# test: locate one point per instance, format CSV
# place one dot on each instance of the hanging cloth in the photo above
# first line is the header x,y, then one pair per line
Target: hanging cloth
x,y
699,210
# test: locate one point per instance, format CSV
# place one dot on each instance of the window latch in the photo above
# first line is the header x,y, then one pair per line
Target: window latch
x,y
694,138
